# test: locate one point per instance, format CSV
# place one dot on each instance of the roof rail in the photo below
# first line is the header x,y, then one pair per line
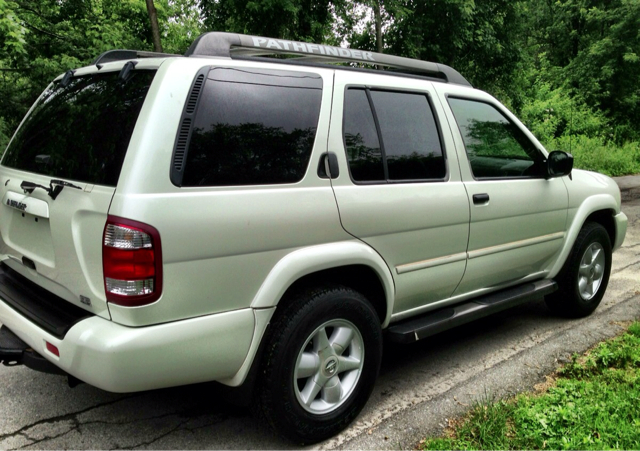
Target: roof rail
x,y
121,54
240,45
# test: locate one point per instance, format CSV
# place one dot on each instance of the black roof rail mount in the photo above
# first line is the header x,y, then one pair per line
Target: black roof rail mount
x,y
121,54
232,45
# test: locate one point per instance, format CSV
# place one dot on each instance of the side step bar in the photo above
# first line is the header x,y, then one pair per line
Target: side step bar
x,y
437,321
14,351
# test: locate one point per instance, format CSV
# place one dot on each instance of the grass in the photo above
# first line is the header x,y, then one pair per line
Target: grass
x,y
593,404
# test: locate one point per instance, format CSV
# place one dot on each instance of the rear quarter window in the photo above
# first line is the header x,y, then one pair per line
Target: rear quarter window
x,y
253,127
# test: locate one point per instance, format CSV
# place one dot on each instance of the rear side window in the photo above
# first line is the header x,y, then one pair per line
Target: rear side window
x,y
253,127
361,138
391,136
81,131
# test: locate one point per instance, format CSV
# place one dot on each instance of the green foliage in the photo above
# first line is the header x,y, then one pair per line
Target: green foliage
x,y
595,154
477,38
290,19
11,31
562,121
41,39
551,113
592,47
180,23
486,428
579,414
4,136
570,69
594,405
620,353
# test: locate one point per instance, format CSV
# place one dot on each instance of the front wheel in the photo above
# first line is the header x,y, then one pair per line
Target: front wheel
x,y
323,356
584,278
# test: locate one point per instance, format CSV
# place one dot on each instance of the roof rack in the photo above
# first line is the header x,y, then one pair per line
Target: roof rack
x,y
234,45
121,54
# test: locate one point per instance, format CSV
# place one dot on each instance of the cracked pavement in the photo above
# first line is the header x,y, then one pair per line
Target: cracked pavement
x,y
419,388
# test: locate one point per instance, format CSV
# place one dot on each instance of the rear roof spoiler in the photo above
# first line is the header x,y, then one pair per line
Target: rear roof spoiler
x,y
122,54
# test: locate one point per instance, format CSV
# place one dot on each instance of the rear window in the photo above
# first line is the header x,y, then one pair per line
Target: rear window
x,y
253,127
81,131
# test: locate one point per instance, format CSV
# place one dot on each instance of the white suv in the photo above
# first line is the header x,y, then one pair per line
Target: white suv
x,y
262,222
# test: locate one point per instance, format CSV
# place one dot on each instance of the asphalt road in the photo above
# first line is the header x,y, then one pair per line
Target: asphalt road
x,y
419,388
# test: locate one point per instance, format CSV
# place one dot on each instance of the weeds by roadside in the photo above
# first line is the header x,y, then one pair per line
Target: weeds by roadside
x,y
594,404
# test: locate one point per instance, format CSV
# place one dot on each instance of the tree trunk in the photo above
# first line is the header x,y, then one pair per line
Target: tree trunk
x,y
155,29
378,18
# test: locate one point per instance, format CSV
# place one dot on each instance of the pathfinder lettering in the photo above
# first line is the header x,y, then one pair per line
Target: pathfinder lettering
x,y
301,47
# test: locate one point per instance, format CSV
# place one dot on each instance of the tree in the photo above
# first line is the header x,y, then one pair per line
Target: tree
x,y
155,29
304,20
593,49
42,38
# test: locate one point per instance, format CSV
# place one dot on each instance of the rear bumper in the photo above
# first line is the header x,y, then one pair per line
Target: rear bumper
x,y
123,359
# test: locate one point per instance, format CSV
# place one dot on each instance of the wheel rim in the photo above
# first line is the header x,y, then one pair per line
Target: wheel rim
x,y
591,271
328,366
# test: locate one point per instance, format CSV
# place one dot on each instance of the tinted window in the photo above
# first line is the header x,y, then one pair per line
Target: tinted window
x,y
361,138
495,146
409,148
253,127
81,131
409,135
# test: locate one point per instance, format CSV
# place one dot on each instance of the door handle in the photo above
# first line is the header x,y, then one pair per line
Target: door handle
x,y
328,168
480,199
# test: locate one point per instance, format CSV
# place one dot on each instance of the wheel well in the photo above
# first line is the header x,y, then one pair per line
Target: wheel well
x,y
360,278
605,219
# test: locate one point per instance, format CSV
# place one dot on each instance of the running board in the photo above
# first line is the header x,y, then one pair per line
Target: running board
x,y
431,323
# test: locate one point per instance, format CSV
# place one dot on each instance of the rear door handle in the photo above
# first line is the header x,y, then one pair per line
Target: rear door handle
x,y
480,199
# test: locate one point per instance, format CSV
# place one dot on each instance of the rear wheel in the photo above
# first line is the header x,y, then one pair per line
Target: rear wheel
x,y
323,357
584,278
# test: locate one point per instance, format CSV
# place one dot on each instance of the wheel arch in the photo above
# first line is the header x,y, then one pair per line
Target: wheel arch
x,y
606,219
601,209
351,263
359,277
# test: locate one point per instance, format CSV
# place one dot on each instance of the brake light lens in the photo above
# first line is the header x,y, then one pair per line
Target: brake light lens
x,y
131,262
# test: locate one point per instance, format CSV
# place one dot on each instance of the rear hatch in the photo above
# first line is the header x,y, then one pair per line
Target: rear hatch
x,y
58,176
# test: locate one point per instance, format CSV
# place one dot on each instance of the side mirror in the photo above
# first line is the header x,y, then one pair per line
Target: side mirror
x,y
559,164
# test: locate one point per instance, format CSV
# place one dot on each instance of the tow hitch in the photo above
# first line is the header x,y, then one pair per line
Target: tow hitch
x,y
14,351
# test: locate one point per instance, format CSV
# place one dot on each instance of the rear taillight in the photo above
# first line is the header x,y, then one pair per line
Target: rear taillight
x,y
131,262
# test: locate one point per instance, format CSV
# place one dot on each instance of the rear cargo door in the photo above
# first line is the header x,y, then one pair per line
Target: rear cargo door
x,y
57,179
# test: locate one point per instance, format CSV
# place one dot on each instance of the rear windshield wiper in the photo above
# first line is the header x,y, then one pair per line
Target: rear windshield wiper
x,y
55,187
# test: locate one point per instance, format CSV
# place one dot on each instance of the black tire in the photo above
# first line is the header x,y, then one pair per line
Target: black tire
x,y
576,296
296,330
